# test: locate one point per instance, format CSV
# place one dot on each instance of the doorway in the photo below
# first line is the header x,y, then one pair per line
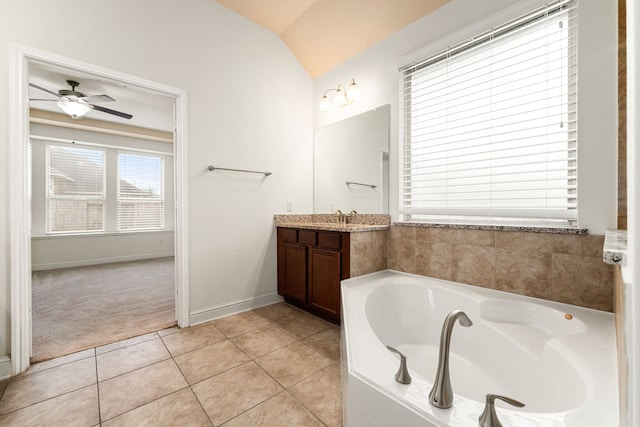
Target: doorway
x,y
22,59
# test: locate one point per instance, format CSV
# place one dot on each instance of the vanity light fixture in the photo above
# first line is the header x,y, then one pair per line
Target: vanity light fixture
x,y
342,96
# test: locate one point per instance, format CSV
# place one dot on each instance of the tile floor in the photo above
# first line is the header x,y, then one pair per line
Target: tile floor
x,y
273,366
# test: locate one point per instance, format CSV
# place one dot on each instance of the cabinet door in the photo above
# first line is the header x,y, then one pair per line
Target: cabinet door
x,y
294,272
324,281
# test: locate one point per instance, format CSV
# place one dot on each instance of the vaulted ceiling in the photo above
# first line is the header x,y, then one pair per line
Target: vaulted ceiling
x,y
325,33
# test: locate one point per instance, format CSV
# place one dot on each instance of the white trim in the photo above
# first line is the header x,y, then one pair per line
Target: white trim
x,y
209,313
180,192
19,212
99,261
20,215
506,14
5,367
631,272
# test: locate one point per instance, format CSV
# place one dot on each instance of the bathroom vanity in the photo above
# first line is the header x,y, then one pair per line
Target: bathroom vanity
x,y
311,265
314,255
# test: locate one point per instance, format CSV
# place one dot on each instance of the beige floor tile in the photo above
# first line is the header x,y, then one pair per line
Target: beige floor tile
x,y
125,343
130,358
326,343
302,325
192,338
131,390
211,360
78,408
280,410
41,366
177,409
240,323
234,391
321,393
293,363
278,312
262,341
169,331
26,390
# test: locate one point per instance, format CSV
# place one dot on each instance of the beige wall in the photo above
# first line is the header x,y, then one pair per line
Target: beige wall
x,y
566,268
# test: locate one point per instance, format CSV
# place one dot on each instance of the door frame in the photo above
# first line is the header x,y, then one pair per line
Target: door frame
x,y
20,206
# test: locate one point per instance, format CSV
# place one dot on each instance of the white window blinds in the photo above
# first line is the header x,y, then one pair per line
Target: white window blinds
x,y
140,192
75,189
489,126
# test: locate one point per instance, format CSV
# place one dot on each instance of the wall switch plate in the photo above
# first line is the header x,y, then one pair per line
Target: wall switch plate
x,y
289,206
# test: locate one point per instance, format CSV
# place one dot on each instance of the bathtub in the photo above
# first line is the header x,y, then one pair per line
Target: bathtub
x,y
557,359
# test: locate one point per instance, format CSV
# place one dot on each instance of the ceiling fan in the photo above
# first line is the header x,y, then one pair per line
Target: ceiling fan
x,y
77,104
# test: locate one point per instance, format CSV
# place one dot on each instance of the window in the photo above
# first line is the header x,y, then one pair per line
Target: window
x,y
489,126
75,189
140,192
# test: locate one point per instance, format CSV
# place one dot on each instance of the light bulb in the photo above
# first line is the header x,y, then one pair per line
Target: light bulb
x,y
353,92
340,98
325,104
74,108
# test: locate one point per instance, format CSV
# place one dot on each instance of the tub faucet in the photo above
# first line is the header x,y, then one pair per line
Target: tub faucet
x,y
441,395
489,418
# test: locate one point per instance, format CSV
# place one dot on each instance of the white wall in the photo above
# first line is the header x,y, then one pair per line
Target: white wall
x,y
232,70
631,272
376,72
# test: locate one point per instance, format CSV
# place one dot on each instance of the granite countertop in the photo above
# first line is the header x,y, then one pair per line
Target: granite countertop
x,y
615,247
329,222
328,226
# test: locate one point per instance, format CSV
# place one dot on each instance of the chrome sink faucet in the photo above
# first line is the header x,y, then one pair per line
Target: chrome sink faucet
x,y
341,216
441,395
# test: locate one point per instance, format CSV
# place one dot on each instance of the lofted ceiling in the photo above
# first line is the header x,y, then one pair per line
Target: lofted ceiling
x,y
324,33
321,33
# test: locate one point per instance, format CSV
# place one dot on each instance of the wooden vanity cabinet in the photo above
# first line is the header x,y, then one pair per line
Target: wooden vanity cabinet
x,y
311,264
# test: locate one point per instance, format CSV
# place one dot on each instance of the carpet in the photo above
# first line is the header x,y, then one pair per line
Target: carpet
x,y
74,309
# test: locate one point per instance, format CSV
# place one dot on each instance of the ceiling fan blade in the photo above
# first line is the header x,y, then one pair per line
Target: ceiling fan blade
x,y
42,99
43,89
97,98
110,111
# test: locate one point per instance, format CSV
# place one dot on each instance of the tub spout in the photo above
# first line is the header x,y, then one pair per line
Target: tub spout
x,y
441,395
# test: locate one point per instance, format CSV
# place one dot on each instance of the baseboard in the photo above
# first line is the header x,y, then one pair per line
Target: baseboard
x,y
98,261
5,367
222,310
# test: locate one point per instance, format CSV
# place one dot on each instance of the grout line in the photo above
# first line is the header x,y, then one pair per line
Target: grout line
x,y
95,359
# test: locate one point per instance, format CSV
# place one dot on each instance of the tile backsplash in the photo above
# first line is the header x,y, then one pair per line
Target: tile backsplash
x,y
566,268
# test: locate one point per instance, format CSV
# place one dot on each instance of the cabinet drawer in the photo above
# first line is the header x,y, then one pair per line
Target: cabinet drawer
x,y
329,240
289,235
308,237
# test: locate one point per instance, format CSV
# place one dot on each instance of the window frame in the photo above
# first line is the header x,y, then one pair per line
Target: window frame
x,y
161,199
48,145
471,39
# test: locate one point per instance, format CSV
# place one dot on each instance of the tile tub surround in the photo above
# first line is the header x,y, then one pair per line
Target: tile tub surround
x,y
560,267
368,252
274,365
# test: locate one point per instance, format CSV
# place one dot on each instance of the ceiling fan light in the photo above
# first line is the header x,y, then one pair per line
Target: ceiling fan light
x,y
325,104
75,109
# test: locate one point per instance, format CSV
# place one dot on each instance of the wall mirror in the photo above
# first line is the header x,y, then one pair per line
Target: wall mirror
x,y
351,170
